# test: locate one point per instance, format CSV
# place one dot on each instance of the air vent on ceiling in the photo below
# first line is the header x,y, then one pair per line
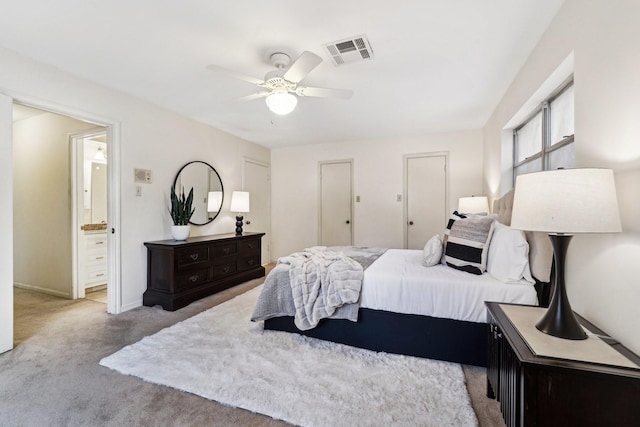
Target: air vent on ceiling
x,y
347,51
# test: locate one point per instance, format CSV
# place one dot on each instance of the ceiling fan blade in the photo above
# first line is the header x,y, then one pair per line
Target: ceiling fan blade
x,y
322,92
235,74
302,66
253,96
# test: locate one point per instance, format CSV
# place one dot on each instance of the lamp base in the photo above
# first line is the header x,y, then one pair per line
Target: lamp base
x,y
559,319
561,324
239,219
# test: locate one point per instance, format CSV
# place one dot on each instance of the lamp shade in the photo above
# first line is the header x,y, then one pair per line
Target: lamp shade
x,y
566,201
281,103
214,201
479,204
240,201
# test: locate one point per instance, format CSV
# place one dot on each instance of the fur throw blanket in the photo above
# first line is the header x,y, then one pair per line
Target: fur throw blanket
x,y
321,281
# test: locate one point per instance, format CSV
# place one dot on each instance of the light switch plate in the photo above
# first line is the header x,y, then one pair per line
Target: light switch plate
x,y
142,176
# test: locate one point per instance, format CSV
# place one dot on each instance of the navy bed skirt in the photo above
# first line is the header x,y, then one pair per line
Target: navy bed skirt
x,y
409,334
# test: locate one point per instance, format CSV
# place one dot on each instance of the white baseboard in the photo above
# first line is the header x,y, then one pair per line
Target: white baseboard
x,y
42,290
131,306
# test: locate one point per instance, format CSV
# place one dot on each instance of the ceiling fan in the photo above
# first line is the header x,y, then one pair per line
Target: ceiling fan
x,y
281,86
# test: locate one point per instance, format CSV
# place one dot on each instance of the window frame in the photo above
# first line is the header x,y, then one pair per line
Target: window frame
x,y
546,146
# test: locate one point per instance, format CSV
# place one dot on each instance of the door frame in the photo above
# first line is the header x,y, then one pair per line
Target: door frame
x,y
352,205
6,218
405,185
114,283
268,231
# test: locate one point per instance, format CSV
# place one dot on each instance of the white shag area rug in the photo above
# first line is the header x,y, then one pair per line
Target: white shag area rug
x,y
221,355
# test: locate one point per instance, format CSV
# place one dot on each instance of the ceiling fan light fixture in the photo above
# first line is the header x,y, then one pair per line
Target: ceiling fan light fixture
x,y
281,103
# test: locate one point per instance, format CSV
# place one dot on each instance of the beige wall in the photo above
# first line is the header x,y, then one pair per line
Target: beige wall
x,y
378,179
42,246
604,38
150,138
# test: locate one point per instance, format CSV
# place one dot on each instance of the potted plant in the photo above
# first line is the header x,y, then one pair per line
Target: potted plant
x,y
181,212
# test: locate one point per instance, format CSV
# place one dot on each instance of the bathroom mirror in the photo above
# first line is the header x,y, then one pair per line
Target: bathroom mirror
x,y
94,180
208,192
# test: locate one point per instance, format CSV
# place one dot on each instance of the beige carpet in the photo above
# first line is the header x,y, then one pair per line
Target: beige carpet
x,y
53,378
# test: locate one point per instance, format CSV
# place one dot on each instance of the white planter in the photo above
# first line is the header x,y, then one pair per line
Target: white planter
x,y
180,232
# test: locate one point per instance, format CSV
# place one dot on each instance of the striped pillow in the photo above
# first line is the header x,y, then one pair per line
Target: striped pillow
x,y
468,243
453,218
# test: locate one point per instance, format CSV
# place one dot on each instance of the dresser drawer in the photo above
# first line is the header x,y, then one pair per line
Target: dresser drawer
x,y
247,263
96,277
248,248
191,256
225,249
94,241
225,268
97,259
192,279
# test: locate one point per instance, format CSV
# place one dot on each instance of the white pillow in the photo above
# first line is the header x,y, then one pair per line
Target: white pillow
x,y
432,251
509,255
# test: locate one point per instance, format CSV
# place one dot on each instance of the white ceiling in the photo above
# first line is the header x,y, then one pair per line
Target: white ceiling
x,y
439,65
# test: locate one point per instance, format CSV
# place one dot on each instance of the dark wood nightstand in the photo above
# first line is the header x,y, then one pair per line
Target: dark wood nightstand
x,y
584,383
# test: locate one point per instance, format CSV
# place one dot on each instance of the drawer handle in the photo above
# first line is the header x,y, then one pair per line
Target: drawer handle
x,y
99,257
226,250
193,256
251,246
194,278
99,243
99,274
251,261
226,268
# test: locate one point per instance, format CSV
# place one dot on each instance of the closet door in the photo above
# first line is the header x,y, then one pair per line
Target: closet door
x,y
336,225
425,198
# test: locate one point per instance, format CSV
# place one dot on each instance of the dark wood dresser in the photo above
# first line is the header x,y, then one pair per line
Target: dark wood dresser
x,y
180,272
536,390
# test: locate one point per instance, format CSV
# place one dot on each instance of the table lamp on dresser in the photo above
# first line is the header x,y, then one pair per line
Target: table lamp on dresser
x,y
240,205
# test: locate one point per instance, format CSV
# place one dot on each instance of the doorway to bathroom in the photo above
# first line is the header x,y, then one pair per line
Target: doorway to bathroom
x,y
38,166
60,204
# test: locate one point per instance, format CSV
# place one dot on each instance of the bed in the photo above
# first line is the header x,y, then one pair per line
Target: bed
x,y
406,308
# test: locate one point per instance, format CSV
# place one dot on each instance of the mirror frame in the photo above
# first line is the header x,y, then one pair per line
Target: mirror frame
x,y
175,181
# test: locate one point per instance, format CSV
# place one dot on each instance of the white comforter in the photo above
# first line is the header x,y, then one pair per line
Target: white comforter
x,y
321,281
398,282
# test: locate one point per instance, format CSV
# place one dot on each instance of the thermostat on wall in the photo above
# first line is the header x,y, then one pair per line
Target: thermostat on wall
x,y
142,175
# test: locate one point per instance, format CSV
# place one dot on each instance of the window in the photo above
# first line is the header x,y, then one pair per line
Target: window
x,y
545,141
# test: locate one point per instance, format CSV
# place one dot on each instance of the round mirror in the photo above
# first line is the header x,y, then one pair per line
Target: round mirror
x,y
208,193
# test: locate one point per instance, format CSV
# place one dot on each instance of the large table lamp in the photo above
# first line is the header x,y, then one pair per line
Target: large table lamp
x,y
240,205
563,203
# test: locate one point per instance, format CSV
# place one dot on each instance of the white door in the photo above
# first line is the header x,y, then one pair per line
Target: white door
x,y
257,182
425,198
6,219
335,204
